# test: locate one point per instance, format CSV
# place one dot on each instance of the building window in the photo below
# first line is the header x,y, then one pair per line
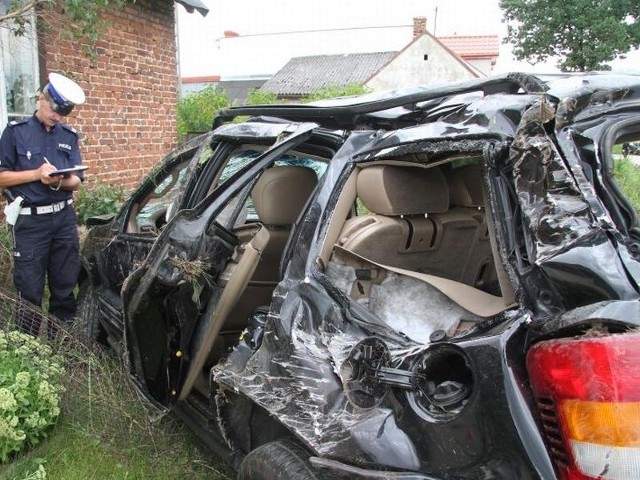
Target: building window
x,y
19,69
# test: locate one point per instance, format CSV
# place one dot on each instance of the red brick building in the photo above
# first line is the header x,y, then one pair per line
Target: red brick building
x,y
129,119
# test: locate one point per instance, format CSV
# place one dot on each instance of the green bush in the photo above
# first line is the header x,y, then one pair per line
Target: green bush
x,y
30,388
260,97
101,199
197,110
334,91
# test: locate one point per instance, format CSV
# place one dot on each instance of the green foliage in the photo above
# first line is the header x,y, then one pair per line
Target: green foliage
x,y
101,199
336,91
85,20
82,18
260,97
584,34
30,388
197,110
627,175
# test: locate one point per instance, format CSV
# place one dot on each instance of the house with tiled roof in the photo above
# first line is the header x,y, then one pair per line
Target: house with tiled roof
x,y
426,59
481,51
293,64
302,76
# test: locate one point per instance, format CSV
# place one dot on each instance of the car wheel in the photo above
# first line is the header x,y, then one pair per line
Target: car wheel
x,y
89,315
281,460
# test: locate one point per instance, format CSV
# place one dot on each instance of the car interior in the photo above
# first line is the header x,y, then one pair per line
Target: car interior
x,y
402,228
249,279
425,230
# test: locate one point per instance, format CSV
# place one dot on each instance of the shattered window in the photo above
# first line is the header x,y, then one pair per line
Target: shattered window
x,y
155,208
244,157
236,162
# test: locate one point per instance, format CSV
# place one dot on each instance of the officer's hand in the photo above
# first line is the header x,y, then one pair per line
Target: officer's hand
x,y
44,170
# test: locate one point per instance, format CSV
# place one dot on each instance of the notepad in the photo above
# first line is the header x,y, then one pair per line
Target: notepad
x,y
67,171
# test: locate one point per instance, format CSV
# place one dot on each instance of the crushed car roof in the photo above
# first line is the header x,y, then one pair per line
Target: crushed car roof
x,y
377,109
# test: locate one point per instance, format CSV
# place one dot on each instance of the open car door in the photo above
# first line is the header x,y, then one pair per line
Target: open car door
x,y
176,301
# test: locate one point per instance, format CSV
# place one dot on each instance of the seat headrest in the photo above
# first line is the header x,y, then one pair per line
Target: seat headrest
x,y
281,192
465,186
394,190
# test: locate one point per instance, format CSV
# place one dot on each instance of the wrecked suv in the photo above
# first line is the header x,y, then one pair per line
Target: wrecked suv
x,y
432,283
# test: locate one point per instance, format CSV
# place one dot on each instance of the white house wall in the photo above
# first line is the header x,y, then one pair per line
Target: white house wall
x,y
485,65
410,67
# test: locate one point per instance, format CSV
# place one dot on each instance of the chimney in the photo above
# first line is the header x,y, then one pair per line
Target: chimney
x,y
419,26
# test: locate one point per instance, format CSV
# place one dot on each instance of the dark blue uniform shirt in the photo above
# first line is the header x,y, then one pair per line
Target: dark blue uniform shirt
x,y
24,146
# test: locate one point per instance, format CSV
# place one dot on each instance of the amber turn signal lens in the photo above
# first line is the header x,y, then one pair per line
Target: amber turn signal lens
x,y
604,423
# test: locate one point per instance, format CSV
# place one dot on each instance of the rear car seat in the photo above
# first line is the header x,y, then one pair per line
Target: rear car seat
x,y
412,225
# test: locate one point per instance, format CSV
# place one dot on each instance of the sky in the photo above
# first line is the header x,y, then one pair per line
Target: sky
x,y
203,51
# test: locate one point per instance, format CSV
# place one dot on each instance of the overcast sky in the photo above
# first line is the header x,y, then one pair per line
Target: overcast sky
x,y
473,17
197,35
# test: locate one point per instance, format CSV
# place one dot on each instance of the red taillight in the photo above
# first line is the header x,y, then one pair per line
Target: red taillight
x,y
588,394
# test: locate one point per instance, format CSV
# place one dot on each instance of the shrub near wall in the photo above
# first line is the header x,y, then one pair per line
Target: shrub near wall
x,y
101,199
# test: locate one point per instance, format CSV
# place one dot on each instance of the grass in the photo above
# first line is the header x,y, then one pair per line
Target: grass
x,y
105,431
627,175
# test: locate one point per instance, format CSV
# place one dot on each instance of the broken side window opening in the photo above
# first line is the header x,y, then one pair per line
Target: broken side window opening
x,y
415,247
625,155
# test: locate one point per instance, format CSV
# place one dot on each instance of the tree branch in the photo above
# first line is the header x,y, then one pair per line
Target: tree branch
x,y
19,12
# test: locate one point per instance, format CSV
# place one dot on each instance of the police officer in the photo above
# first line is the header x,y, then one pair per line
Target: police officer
x,y
45,234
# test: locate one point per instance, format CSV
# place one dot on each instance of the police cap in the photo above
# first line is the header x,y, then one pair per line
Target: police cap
x,y
63,94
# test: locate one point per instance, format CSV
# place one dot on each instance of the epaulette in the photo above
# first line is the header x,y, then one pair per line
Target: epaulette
x,y
69,127
13,123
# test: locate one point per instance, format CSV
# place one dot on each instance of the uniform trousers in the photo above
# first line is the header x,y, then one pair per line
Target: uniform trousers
x,y
46,248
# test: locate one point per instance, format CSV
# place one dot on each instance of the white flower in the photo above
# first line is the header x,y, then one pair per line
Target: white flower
x,y
22,379
7,401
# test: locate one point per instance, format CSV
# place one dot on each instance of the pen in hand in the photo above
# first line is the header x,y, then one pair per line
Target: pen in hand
x,y
51,176
55,169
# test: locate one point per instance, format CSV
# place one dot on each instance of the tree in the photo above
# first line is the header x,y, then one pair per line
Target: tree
x,y
83,19
583,34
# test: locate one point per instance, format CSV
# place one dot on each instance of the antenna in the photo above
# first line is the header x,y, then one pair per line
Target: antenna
x,y
435,21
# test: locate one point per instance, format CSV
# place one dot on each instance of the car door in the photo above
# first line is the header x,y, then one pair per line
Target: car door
x,y
175,301
137,225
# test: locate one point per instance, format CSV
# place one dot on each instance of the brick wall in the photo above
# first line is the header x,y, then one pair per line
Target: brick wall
x,y
128,122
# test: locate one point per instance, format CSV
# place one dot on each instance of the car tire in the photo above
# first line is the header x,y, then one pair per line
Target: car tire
x,y
88,314
281,460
